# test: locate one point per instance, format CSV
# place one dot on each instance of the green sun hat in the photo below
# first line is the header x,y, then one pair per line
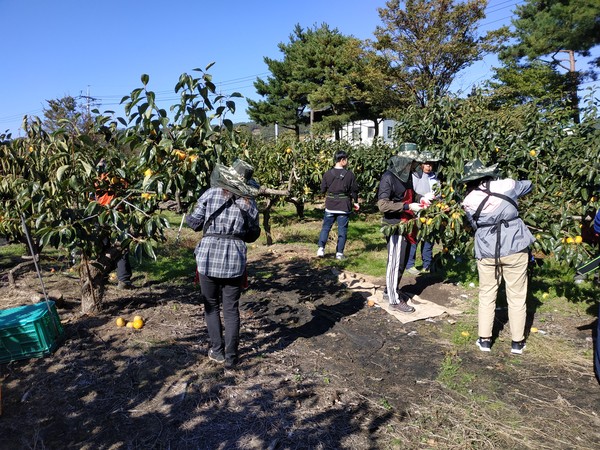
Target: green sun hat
x,y
428,156
475,169
409,150
237,178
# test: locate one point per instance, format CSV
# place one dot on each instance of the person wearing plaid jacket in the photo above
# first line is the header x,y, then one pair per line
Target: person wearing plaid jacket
x,y
225,213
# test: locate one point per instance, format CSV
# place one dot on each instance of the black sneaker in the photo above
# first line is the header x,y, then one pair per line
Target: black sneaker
x,y
231,362
125,285
484,344
402,306
517,347
217,357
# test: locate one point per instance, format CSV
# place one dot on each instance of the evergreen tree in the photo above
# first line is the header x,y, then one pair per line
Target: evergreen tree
x,y
427,42
553,31
320,79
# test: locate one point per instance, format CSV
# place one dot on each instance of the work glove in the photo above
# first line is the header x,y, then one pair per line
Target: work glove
x,y
429,197
415,207
356,206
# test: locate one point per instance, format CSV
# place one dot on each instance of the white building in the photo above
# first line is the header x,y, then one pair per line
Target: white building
x,y
363,131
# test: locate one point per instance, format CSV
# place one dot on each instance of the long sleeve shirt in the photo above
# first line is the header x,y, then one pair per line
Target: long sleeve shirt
x,y
222,256
498,214
341,188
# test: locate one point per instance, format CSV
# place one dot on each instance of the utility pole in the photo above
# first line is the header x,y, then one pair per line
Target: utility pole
x,y
88,101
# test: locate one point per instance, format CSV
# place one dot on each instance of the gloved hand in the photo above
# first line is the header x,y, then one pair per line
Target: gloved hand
x,y
356,206
415,207
429,197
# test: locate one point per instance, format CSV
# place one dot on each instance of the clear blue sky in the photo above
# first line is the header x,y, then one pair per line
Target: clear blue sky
x,y
51,49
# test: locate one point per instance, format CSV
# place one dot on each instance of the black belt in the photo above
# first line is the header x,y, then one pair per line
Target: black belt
x,y
337,195
223,236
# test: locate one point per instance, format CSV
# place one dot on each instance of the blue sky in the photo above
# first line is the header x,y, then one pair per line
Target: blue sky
x,y
51,49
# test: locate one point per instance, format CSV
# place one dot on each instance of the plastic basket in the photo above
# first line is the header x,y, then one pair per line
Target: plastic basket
x,y
29,331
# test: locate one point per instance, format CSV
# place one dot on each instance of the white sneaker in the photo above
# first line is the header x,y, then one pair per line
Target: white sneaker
x,y
340,256
321,252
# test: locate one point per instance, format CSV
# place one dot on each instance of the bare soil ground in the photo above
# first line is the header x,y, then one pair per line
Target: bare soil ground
x,y
319,370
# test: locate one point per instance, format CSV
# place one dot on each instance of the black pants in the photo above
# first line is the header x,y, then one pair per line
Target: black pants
x,y
124,268
222,293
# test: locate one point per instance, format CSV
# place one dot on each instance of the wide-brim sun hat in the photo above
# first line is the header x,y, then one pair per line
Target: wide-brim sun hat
x,y
237,178
409,150
428,156
475,170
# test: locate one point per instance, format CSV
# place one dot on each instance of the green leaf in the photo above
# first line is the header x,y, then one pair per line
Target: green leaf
x,y
60,172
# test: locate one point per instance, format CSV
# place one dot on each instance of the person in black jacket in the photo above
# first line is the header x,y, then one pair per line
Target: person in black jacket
x,y
342,196
398,202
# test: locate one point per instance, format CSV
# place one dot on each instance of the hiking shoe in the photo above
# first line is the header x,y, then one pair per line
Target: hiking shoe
x,y
402,306
231,362
413,270
484,344
517,347
320,252
217,357
124,285
340,256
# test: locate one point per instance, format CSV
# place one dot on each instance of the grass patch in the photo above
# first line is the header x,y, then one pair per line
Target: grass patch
x,y
11,253
452,374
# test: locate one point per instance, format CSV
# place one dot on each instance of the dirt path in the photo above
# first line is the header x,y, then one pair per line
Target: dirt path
x,y
319,370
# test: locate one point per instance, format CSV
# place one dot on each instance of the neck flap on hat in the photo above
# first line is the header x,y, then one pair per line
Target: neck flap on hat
x,y
400,166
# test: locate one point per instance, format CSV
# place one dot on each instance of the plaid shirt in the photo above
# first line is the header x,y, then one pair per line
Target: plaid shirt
x,y
221,257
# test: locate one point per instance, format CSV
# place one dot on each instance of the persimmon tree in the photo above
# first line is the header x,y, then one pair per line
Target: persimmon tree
x,y
50,180
545,146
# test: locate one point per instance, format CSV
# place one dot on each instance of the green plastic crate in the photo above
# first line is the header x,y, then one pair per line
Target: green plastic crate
x,y
29,331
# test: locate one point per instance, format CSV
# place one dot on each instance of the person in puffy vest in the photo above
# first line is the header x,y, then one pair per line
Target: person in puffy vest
x,y
424,182
502,243
339,185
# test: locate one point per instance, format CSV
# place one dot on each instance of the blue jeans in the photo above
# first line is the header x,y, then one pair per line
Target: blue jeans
x,y
426,254
342,222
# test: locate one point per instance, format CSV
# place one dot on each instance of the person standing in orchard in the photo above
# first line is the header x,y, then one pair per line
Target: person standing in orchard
x,y
227,214
106,190
339,185
423,183
398,202
502,243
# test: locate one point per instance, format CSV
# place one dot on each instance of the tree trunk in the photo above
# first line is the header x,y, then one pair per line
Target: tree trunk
x,y
267,220
299,204
376,123
92,279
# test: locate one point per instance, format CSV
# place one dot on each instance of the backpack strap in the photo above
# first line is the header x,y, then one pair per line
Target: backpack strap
x,y
489,193
496,227
218,211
